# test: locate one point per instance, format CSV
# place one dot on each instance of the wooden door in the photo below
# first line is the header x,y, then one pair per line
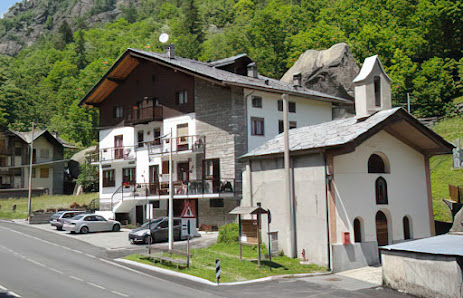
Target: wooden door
x,y
382,235
153,179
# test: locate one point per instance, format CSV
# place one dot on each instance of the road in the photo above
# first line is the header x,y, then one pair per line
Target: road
x,y
37,263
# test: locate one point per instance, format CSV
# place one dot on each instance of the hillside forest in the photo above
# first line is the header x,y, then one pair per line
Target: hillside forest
x,y
420,43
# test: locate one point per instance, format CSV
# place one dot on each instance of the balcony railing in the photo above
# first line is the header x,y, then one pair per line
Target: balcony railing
x,y
181,188
113,154
138,115
193,143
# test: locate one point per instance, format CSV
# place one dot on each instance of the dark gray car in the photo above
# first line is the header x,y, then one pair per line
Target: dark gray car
x,y
159,231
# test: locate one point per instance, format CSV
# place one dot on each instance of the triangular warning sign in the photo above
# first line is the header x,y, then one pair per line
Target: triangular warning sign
x,y
187,212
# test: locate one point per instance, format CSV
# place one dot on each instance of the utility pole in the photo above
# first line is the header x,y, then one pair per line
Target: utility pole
x,y
289,186
29,197
408,102
171,198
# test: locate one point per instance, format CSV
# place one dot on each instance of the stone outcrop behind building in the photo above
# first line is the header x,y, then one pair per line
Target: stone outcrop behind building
x,y
329,71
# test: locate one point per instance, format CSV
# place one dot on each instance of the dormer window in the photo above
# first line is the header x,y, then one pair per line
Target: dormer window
x,y
377,82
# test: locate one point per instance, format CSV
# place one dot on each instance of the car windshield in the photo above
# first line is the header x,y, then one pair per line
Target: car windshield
x,y
153,222
77,217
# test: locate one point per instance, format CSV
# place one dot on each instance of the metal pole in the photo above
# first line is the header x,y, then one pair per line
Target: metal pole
x,y
171,198
408,102
240,231
292,224
29,196
258,240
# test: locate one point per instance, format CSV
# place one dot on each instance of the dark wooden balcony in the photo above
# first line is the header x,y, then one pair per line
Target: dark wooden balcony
x,y
136,115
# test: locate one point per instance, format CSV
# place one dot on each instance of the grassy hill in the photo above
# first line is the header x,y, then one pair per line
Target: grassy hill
x,y
442,172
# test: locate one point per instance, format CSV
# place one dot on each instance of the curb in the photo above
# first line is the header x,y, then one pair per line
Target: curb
x,y
207,282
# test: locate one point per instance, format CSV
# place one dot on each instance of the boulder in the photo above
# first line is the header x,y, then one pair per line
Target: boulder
x,y
329,71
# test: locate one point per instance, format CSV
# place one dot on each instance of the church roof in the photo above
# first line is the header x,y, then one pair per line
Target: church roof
x,y
368,67
350,132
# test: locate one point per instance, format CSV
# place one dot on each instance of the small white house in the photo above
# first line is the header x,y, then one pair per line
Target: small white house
x,y
357,183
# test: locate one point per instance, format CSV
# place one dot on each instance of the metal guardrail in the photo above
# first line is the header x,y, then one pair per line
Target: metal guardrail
x,y
193,143
192,187
115,153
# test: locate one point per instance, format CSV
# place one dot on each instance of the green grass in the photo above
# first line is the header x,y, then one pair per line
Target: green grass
x,y
41,203
203,264
442,172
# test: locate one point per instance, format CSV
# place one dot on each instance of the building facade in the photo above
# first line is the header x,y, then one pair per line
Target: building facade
x,y
205,115
357,183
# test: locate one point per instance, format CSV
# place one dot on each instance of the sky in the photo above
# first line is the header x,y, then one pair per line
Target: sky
x,y
5,4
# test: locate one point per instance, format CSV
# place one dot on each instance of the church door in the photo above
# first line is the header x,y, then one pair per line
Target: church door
x,y
382,235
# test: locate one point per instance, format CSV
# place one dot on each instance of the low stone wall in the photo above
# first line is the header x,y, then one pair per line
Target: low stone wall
x,y
355,255
41,217
423,275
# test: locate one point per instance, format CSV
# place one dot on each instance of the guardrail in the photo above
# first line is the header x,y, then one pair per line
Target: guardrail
x,y
115,153
193,143
192,187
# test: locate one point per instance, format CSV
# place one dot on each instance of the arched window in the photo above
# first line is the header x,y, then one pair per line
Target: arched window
x,y
407,229
381,191
357,230
376,164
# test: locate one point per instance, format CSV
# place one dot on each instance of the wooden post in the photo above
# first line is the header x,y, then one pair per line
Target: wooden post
x,y
269,239
240,231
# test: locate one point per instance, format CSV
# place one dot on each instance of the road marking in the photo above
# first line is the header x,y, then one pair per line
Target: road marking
x,y
120,294
76,278
91,256
57,271
96,286
35,262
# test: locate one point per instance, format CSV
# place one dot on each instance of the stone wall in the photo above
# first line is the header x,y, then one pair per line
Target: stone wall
x,y
216,216
221,117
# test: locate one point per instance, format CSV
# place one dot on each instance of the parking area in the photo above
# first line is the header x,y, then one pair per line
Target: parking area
x,y
118,241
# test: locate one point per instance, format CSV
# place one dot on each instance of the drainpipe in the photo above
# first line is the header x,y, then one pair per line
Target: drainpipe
x,y
288,180
327,178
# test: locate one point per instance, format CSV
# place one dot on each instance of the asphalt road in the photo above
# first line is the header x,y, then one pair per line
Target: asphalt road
x,y
37,263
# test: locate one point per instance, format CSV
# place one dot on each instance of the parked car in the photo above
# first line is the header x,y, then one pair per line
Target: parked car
x,y
57,220
84,223
159,231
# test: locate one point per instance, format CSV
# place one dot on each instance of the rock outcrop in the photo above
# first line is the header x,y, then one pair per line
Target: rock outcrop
x,y
29,19
329,71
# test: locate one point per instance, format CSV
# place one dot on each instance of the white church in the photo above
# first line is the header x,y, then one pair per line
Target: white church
x,y
357,183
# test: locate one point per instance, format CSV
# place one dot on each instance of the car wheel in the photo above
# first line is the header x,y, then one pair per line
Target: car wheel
x,y
84,230
116,228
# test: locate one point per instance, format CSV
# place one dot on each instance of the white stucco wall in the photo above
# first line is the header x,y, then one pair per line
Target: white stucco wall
x,y
308,112
268,187
406,185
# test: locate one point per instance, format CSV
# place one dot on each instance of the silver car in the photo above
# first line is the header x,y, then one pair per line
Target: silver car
x,y
84,223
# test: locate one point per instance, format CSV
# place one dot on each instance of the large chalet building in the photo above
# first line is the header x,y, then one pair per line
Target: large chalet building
x,y
209,113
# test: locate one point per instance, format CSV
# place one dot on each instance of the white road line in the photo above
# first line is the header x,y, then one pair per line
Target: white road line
x,y
96,286
35,262
76,278
14,294
91,256
57,271
120,294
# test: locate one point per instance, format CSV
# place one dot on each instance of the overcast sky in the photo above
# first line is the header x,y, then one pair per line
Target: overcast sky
x,y
5,4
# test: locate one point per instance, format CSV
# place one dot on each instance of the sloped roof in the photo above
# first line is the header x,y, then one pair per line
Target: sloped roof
x,y
27,137
229,60
367,68
130,60
449,245
354,131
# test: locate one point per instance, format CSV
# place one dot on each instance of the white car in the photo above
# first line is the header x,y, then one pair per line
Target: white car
x,y
84,223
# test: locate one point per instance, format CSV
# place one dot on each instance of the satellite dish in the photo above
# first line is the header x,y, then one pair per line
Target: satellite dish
x,y
164,37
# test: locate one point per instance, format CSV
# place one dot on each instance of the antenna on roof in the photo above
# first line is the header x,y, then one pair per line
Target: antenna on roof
x,y
164,37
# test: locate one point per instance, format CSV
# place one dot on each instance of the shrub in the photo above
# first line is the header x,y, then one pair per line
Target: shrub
x,y
228,233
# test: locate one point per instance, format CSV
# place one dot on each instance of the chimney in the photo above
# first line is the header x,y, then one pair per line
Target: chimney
x,y
252,70
171,51
297,79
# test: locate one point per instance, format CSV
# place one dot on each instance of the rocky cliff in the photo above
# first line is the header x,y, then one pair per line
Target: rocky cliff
x,y
330,71
25,21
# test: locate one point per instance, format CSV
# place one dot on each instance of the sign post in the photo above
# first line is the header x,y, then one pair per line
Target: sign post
x,y
217,270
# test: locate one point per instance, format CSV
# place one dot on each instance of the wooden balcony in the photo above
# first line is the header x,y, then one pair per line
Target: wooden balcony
x,y
136,115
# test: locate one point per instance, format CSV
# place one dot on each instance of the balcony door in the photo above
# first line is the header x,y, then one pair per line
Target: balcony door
x,y
211,175
183,171
182,137
118,147
154,179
